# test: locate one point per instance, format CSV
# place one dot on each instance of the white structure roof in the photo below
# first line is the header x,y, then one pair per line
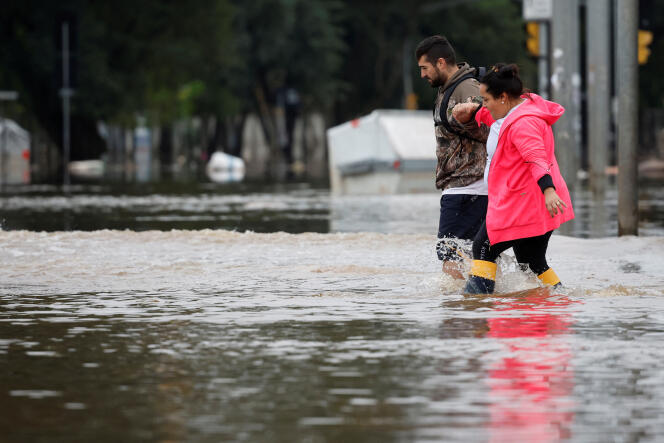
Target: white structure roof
x,y
383,136
13,137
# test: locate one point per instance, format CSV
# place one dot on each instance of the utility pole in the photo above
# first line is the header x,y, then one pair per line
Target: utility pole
x,y
65,93
409,97
3,160
543,61
627,13
598,38
565,84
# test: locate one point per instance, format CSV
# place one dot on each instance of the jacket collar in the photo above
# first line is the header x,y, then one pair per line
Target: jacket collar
x,y
464,68
536,106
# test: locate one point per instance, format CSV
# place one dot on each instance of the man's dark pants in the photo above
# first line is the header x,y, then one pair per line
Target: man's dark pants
x,y
461,216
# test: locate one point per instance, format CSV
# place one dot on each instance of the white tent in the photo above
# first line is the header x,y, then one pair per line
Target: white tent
x,y
385,152
14,153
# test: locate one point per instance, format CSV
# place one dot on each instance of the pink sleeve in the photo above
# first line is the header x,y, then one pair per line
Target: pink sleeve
x,y
527,135
483,116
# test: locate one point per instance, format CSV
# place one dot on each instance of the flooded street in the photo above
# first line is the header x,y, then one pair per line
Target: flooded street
x,y
294,208
188,317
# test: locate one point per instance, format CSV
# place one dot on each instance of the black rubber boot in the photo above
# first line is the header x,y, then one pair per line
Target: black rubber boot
x,y
479,285
482,278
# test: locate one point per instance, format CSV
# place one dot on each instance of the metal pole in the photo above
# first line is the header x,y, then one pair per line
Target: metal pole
x,y
4,144
66,94
565,83
627,89
543,62
406,72
598,34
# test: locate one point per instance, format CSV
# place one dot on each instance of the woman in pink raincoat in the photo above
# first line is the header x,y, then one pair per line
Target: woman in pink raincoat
x,y
528,197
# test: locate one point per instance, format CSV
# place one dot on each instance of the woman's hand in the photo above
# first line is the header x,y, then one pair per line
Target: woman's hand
x,y
462,112
553,202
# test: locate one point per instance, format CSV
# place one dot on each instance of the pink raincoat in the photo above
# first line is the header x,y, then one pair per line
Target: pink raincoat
x,y
524,154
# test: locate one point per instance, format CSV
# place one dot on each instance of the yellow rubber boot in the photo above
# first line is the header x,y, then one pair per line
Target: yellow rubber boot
x,y
482,278
550,278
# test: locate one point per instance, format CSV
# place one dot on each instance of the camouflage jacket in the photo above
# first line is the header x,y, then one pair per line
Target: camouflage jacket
x,y
461,160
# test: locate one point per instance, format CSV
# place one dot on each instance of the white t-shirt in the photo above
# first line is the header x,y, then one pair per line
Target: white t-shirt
x,y
492,142
476,188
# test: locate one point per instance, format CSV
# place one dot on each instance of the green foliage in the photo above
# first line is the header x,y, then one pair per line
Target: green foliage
x,y
485,33
482,33
131,57
373,69
167,60
137,56
187,95
294,43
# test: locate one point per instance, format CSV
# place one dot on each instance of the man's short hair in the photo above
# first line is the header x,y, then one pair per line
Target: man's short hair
x,y
436,47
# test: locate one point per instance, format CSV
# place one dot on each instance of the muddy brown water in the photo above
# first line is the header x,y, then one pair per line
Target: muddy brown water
x,y
216,332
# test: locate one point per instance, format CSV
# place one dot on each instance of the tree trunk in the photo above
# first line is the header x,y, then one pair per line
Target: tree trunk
x,y
166,149
235,130
218,137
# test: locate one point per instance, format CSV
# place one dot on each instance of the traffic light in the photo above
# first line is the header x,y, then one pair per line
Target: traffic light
x,y
645,39
532,40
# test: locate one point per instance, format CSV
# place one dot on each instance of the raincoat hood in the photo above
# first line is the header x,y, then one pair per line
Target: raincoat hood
x,y
536,106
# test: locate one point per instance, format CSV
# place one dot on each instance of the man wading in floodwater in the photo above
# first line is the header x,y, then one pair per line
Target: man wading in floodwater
x,y
461,159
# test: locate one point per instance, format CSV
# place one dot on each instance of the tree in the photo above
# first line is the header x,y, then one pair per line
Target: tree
x,y
382,37
132,58
287,45
223,59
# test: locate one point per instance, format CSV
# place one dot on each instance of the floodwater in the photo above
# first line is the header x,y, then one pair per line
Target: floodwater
x,y
294,208
341,329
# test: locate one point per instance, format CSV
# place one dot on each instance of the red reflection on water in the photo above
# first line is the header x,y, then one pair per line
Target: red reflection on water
x,y
530,388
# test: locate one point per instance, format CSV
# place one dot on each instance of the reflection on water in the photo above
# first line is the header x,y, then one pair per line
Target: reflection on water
x,y
233,332
531,386
296,207
222,336
165,206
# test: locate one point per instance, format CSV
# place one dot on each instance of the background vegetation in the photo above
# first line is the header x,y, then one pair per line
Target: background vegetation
x,y
224,59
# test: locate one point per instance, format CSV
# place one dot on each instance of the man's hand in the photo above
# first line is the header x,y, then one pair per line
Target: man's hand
x,y
453,269
553,202
462,112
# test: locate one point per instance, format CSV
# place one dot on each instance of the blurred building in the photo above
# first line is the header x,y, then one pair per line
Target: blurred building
x,y
14,153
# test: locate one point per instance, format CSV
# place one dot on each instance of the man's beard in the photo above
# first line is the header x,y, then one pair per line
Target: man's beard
x,y
439,80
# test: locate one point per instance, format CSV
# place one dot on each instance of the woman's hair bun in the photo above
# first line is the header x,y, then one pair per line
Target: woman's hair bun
x,y
504,70
503,77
